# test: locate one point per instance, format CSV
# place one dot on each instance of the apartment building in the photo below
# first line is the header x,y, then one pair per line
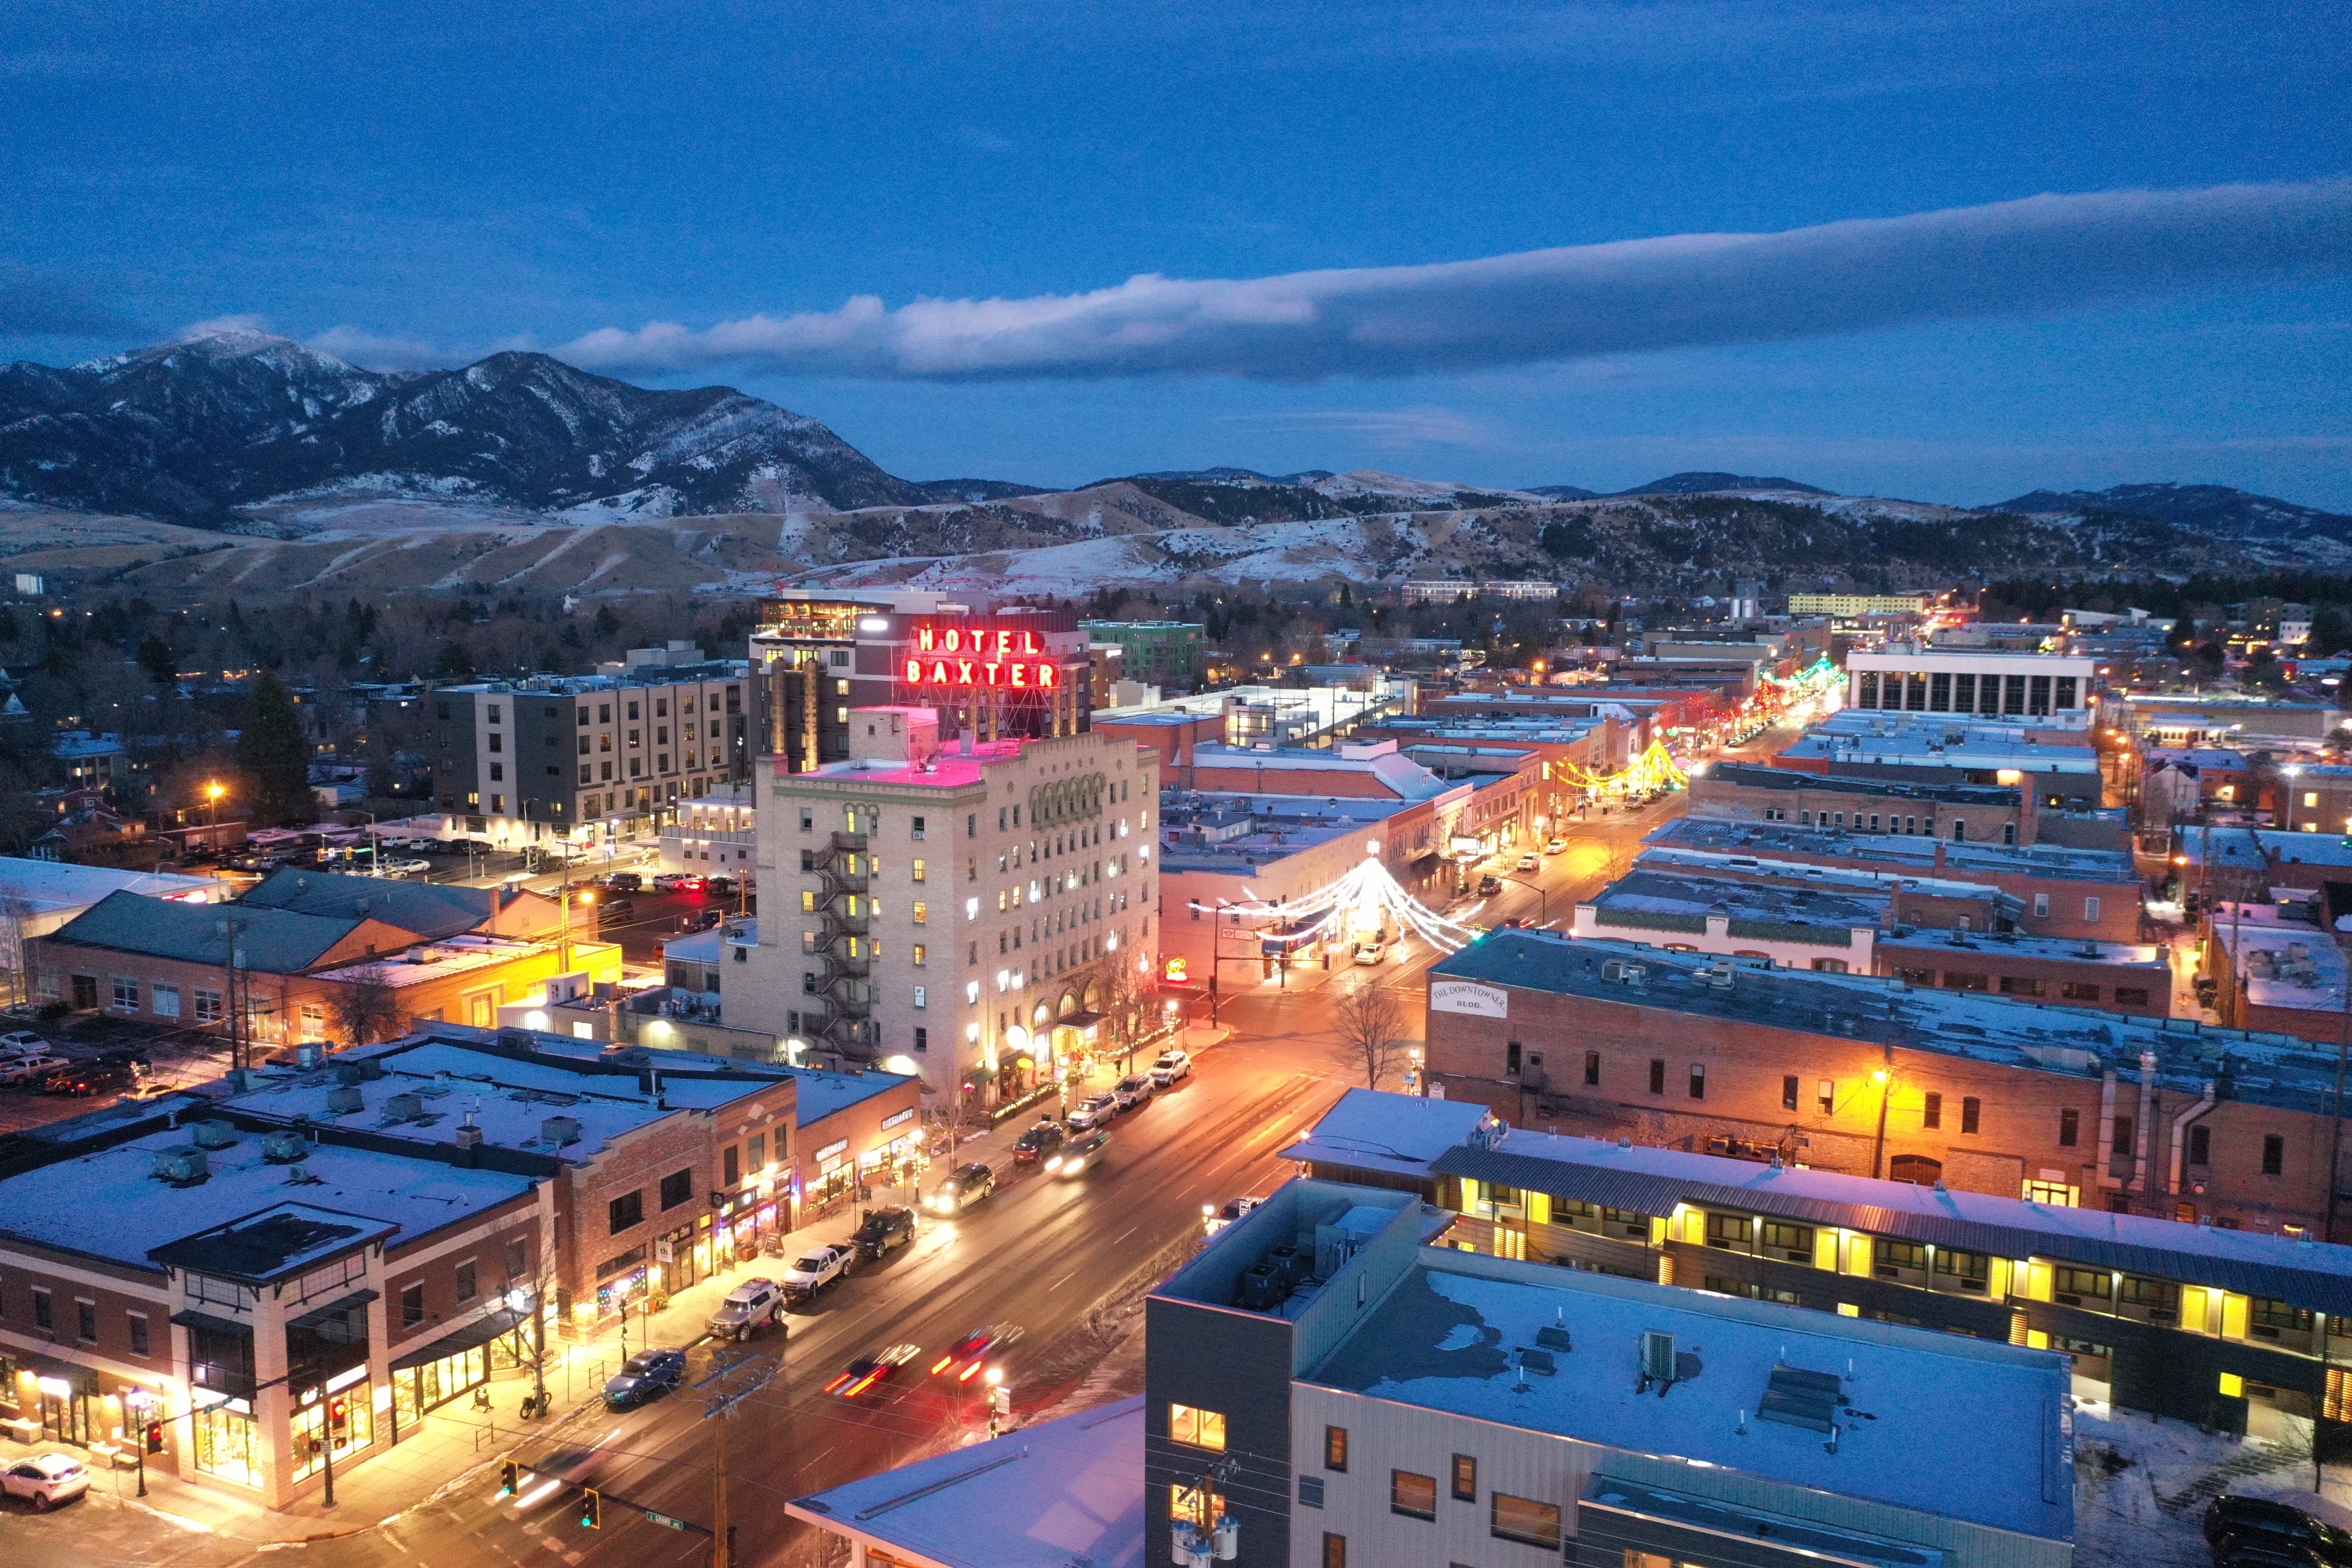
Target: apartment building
x,y
589,758
1872,1076
953,911
1852,604
1171,655
2231,1329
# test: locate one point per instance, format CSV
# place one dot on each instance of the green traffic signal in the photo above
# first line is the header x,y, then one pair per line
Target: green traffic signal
x,y
510,1475
592,1505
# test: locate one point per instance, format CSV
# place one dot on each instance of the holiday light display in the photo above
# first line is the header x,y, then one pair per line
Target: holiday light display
x,y
1357,907
1652,771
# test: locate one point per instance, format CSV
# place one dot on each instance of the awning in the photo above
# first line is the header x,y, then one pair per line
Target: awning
x,y
480,1332
318,1315
211,1324
1078,1021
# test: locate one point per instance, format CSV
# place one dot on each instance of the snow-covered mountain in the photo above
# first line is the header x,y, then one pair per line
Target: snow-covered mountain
x,y
2214,508
194,431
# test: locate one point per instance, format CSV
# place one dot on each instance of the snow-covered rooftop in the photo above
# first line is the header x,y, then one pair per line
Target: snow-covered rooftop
x,y
1895,854
1445,1335
1399,1133
1047,1496
48,885
2285,964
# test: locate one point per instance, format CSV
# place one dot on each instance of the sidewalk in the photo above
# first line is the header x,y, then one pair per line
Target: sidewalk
x,y
448,1446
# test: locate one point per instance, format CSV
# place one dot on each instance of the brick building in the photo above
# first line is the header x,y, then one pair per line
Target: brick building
x,y
1874,1076
2273,970
1963,812
2121,977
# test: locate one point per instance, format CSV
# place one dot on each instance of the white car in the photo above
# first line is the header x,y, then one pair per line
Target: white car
x,y
406,867
1528,862
1173,1064
1096,1111
1556,846
1371,951
21,1043
47,1479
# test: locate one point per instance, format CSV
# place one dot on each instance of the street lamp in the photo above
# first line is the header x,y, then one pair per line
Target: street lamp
x,y
213,792
1544,908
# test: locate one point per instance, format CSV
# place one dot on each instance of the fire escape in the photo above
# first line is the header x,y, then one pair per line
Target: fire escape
x,y
844,949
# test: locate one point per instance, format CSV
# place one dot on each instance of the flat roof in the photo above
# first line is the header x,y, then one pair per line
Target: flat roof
x,y
824,1093
2237,846
454,955
1905,939
1398,1133
1653,899
1898,855
1049,1495
1918,751
49,886
1805,873
1444,1336
2286,963
2270,1068
109,1204
1750,775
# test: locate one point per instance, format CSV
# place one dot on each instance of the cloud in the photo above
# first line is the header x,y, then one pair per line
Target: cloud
x,y
1381,428
2041,254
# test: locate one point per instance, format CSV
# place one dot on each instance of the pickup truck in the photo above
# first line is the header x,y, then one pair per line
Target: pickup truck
x,y
815,1269
32,1069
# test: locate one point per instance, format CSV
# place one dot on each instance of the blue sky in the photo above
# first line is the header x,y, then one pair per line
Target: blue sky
x,y
420,182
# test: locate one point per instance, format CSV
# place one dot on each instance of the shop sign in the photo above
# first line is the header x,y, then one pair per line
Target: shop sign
x,y
833,1151
898,1119
1467,997
345,1379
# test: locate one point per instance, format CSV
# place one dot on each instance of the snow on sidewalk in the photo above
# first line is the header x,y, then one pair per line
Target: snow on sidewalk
x,y
2141,1484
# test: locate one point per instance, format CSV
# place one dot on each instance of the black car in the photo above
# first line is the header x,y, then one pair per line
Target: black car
x,y
619,908
1036,1144
622,882
649,1374
884,1230
106,1073
2253,1531
1490,885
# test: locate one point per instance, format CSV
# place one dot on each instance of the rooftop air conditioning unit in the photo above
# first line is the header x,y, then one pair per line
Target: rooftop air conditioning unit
x,y
1657,1356
283,1148
181,1167
560,1131
1619,972
404,1108
213,1135
1715,974
345,1099
310,1054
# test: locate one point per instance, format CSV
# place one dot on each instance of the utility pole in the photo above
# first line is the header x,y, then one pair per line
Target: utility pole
x,y
730,1385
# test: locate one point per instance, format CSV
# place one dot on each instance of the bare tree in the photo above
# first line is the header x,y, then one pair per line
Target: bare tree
x,y
1130,1015
368,1008
1367,1020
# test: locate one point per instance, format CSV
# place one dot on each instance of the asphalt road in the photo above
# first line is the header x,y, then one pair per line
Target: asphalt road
x,y
1042,1254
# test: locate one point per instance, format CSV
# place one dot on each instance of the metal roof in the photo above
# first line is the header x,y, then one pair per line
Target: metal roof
x,y
275,942
1971,1221
429,909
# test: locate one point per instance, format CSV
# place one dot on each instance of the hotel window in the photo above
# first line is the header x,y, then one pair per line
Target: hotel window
x,y
922,994
1526,1520
139,1340
2089,909
1728,1230
1465,1479
1335,1448
2201,1145
1335,1551
467,1286
1827,1097
1413,1496
166,999
1197,1428
84,1319
922,913
2070,1128
1698,1080
126,994
2041,906
919,865
919,950
411,1306
1592,1070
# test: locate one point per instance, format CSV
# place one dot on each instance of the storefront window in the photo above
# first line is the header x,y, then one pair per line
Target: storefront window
x,y
347,1416
226,1445
417,1389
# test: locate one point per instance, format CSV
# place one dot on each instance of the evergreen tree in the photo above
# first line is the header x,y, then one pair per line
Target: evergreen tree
x,y
156,658
272,753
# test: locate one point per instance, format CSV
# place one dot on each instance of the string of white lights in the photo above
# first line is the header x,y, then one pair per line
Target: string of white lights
x,y
1367,891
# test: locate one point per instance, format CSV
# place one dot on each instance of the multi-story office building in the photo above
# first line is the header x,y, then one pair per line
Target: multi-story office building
x,y
1171,655
1964,813
1880,1077
2231,1329
589,757
2050,690
952,909
1851,605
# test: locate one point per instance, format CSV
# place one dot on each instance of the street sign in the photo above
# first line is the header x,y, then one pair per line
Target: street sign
x,y
665,1519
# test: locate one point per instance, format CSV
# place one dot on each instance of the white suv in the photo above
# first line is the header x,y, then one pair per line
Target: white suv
x,y
1174,1063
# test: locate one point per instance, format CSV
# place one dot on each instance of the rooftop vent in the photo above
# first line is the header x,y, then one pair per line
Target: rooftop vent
x,y
283,1148
213,1135
403,1108
560,1131
1715,974
310,1054
1658,1362
1619,972
1795,1397
344,1099
516,1039
182,1167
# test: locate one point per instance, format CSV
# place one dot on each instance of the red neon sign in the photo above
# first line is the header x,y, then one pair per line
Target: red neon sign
x,y
979,656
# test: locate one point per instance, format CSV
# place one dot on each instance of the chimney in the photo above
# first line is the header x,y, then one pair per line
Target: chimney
x,y
1939,855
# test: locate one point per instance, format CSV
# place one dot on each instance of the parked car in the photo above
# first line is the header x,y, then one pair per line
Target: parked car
x,y
2257,1530
1135,1092
91,1077
1556,847
649,1374
965,1186
35,1068
884,1229
688,883
1036,1144
880,1367
1489,885
720,887
412,868
708,919
755,1304
1528,862
47,1479
1079,1156
664,881
21,1043
618,908
813,1271
626,882
1174,1063
1096,1111
1371,952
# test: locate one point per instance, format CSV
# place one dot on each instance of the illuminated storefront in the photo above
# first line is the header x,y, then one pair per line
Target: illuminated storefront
x,y
337,1417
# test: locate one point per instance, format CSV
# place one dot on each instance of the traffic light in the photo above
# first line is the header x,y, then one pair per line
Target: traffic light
x,y
154,1436
509,1478
338,1416
591,1510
